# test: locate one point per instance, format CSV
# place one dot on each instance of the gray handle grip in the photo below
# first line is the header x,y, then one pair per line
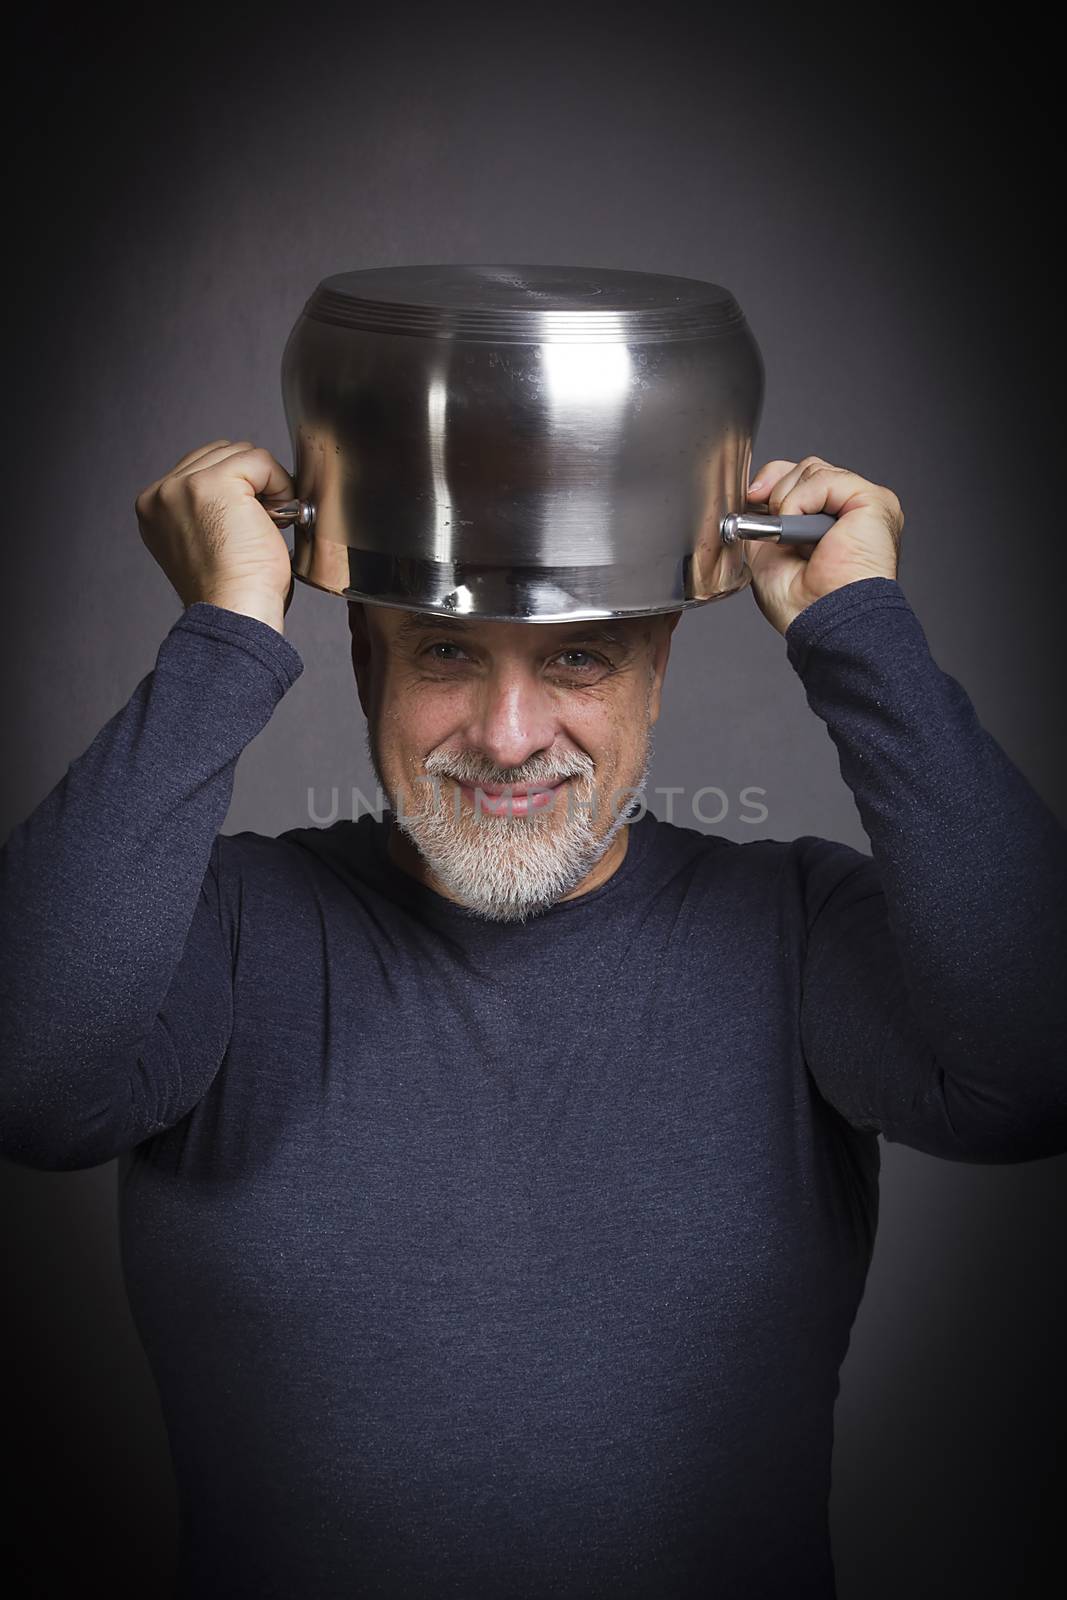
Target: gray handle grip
x,y
779,530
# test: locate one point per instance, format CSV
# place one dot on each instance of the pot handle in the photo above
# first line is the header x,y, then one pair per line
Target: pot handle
x,y
286,513
779,530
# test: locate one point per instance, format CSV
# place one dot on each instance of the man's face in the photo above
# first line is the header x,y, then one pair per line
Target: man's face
x,y
457,709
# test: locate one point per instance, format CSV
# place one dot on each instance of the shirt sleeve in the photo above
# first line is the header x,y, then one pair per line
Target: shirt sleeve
x,y
932,1006
116,988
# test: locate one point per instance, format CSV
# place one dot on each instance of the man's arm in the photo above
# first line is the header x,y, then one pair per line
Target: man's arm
x,y
115,961
934,977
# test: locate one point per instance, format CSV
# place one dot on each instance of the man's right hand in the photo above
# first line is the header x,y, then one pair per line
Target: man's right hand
x,y
205,527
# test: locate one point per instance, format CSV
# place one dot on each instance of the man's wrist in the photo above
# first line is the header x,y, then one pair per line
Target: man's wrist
x,y
861,575
810,626
266,608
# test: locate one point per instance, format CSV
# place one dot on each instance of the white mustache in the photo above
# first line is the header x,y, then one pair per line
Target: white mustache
x,y
509,776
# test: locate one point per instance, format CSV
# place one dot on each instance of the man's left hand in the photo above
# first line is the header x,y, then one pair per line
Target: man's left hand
x,y
864,542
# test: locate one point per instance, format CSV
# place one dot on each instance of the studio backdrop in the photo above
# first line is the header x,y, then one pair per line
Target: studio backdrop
x,y
179,195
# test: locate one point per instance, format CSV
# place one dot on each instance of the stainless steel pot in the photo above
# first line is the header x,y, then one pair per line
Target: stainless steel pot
x,y
524,443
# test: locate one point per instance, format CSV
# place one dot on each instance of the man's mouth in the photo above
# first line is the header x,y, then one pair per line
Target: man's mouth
x,y
505,799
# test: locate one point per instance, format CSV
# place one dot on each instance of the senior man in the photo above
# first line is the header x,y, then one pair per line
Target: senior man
x,y
498,1177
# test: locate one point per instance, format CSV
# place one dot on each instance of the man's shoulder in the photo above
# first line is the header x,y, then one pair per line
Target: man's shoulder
x,y
342,846
681,842
680,847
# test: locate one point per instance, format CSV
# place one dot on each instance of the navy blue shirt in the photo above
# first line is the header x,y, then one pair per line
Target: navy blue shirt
x,y
480,1260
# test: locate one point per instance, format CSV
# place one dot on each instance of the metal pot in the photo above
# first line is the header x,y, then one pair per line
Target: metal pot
x,y
523,443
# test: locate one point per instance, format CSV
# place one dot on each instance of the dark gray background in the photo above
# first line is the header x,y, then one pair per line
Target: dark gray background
x,y
878,206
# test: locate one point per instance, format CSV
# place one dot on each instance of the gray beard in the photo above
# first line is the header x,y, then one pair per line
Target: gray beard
x,y
509,868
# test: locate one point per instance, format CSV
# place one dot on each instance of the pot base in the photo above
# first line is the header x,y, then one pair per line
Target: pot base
x,y
516,594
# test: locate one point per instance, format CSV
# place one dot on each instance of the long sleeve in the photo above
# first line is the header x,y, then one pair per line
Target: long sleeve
x,y
115,964
934,974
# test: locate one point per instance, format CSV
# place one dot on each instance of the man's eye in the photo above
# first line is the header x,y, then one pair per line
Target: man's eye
x,y
590,662
443,644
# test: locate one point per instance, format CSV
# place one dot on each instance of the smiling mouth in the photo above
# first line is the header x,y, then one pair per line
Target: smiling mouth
x,y
504,799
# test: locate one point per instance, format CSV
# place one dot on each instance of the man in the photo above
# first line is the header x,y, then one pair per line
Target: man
x,y
499,1178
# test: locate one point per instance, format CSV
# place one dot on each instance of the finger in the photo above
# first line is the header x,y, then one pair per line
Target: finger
x,y
257,467
788,480
194,455
763,481
188,463
210,455
815,485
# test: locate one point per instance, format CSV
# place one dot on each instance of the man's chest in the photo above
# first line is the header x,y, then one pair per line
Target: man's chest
x,y
453,1164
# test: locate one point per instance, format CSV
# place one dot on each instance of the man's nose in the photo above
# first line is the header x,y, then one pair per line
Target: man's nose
x,y
513,717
